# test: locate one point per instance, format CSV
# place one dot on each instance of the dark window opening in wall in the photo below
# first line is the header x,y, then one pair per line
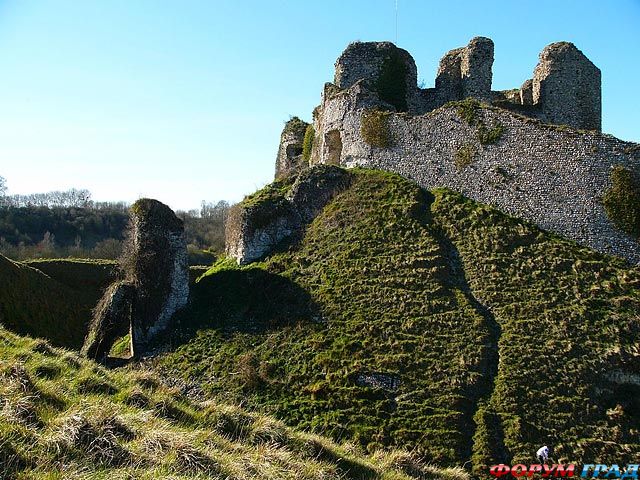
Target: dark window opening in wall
x,y
333,147
293,151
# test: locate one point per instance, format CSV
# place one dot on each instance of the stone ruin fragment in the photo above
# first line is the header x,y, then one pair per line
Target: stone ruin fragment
x,y
154,283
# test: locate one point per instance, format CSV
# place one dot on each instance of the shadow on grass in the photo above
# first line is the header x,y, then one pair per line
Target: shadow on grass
x,y
248,300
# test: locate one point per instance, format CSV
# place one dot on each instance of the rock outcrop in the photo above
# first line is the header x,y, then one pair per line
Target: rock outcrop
x,y
155,282
280,211
158,266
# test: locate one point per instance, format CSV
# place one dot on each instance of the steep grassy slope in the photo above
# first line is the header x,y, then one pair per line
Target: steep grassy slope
x,y
63,417
35,304
404,318
568,372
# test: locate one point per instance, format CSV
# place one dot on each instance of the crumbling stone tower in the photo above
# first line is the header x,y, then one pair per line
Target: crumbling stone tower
x,y
289,157
383,68
535,152
464,72
566,86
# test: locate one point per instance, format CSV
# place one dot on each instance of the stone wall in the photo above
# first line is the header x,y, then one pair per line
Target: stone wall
x,y
154,282
565,88
553,176
366,61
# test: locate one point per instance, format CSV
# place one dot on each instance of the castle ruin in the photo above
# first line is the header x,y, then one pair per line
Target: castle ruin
x,y
535,152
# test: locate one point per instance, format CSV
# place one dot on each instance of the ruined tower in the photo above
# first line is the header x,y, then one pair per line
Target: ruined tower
x,y
566,87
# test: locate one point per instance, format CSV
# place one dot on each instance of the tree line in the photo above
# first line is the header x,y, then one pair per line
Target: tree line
x,y
70,224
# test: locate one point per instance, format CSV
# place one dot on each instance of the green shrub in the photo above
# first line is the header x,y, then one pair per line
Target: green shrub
x,y
392,82
307,143
375,129
489,135
622,200
468,110
465,156
296,125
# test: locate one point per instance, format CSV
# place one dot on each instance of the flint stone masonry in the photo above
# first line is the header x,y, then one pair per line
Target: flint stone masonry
x,y
553,176
254,229
289,159
475,68
365,60
567,86
565,89
155,282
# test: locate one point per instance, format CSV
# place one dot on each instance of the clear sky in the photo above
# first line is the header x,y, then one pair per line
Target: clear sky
x,y
184,100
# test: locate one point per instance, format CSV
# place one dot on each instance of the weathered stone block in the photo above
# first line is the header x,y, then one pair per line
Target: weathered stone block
x,y
111,320
476,68
526,92
154,284
385,68
449,78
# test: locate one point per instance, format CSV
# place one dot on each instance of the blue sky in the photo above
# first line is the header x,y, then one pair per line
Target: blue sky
x,y
184,100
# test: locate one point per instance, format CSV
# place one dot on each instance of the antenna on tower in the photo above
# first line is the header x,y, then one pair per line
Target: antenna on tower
x,y
396,42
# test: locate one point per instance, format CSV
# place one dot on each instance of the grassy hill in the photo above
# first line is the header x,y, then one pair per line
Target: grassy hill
x,y
63,417
33,303
406,318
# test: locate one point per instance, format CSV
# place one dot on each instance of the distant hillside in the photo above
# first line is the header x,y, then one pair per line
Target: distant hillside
x,y
427,321
63,417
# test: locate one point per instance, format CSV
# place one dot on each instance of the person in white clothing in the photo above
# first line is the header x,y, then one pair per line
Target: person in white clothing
x,y
543,454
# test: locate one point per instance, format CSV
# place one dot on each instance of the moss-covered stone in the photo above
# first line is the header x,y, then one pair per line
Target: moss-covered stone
x,y
280,211
375,128
111,320
307,143
622,200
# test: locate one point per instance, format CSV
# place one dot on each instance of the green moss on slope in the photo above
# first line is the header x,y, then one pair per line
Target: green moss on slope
x,y
88,277
494,335
374,294
570,328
